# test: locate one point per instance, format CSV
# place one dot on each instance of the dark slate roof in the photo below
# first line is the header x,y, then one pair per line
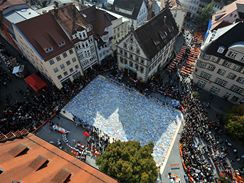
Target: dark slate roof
x,y
97,18
156,33
234,35
130,5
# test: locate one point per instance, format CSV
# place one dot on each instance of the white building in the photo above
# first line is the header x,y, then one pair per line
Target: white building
x,y
177,10
120,27
80,32
102,30
135,10
220,66
51,52
143,51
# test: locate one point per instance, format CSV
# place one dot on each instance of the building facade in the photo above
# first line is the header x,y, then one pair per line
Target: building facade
x,y
52,53
102,30
144,50
120,27
220,66
79,31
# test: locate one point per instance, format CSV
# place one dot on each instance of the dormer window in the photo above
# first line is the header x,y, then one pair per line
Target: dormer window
x,y
48,50
62,43
221,49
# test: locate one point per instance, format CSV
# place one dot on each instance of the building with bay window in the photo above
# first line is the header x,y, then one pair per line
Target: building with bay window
x,y
50,51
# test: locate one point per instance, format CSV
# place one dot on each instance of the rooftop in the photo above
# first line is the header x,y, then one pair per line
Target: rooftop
x,y
224,38
20,15
132,6
31,159
218,19
48,43
99,19
156,33
70,18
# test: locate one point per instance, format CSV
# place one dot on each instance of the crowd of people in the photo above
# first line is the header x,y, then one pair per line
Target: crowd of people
x,y
203,151
36,108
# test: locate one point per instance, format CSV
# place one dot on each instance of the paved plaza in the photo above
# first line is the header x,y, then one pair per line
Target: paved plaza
x,y
124,114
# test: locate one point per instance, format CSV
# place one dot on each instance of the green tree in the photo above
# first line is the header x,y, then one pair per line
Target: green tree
x,y
235,122
205,15
129,162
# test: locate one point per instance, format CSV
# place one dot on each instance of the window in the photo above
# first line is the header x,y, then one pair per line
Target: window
x,y
242,59
68,63
121,60
136,66
234,99
73,59
51,62
240,80
76,66
227,64
55,70
131,64
236,67
142,61
141,69
221,72
201,83
125,45
236,89
62,66
125,61
64,54
220,82
201,64
206,57
231,54
231,76
59,77
65,73
58,58
138,51
71,69
71,51
211,67
205,75
131,56
214,90
136,58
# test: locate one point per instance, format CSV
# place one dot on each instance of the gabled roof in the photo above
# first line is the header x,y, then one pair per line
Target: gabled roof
x,y
69,17
45,163
219,17
224,37
43,32
156,33
97,18
129,5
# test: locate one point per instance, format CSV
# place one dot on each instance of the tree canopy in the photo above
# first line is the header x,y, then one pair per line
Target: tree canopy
x,y
129,162
205,15
235,122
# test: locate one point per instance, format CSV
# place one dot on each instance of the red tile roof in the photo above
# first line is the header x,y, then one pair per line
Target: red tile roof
x,y
44,162
43,32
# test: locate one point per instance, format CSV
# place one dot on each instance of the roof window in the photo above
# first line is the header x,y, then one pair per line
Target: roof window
x,y
62,43
48,50
39,163
19,150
